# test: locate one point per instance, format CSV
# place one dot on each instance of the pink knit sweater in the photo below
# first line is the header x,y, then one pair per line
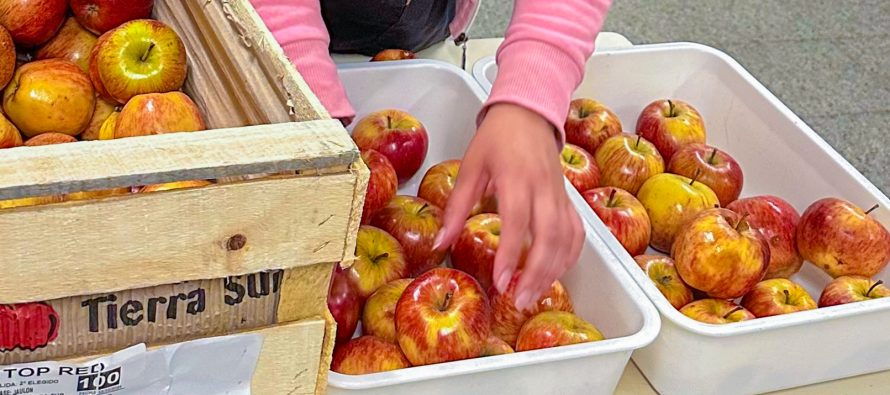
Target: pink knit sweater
x,y
540,63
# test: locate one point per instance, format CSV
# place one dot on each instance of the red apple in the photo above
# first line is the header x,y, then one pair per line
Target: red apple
x,y
495,346
555,328
368,354
579,167
777,296
397,135
507,319
7,57
719,253
442,316
344,303
379,315
841,239
414,222
850,289
476,247
664,275
49,139
624,215
9,134
100,16
73,43
716,311
777,220
627,161
712,167
379,260
393,54
590,123
32,22
55,89
438,182
382,185
158,113
671,124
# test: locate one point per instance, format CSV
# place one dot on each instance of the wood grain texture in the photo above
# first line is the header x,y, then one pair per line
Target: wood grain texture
x,y
327,353
304,292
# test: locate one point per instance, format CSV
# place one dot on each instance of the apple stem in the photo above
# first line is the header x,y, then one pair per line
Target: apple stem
x,y
582,114
873,208
378,257
611,201
872,288
787,296
731,312
713,154
147,52
695,176
424,207
388,122
447,301
637,145
737,224
671,109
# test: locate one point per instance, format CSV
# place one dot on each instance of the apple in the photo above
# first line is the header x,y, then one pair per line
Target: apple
x,y
442,316
590,123
663,273
379,260
716,311
368,354
73,43
438,182
555,328
30,201
476,247
9,134
58,90
382,185
7,57
670,200
849,289
627,161
579,167
106,131
138,57
624,215
344,303
712,167
379,314
397,135
670,125
718,252
32,22
49,139
841,239
158,113
777,296
777,220
495,346
97,194
393,54
101,112
414,222
169,186
100,16
507,319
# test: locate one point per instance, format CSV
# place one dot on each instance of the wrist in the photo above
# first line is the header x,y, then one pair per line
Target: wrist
x,y
521,119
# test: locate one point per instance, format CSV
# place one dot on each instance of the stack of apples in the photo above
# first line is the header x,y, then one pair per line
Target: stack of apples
x,y
414,307
663,187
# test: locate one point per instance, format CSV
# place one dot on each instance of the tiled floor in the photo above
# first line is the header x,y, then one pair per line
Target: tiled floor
x,y
828,60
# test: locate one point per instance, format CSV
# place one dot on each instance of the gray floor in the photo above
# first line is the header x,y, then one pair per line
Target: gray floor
x,y
828,60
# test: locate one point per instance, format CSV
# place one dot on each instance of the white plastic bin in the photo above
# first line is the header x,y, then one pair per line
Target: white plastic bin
x,y
780,155
446,100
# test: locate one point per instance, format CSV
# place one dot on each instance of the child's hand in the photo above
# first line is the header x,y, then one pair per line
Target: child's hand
x,y
516,153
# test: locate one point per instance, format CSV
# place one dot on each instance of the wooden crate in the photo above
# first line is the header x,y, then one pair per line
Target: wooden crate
x,y
303,220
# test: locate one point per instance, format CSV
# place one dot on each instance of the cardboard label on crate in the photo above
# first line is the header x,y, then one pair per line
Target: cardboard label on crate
x,y
84,325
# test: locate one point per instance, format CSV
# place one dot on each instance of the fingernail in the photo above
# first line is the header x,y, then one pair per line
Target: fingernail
x,y
522,300
440,238
503,281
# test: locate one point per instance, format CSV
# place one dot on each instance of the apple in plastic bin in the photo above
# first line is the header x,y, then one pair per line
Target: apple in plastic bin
x,y
73,43
712,167
100,16
438,183
366,355
670,125
476,247
414,222
344,303
777,221
555,328
382,185
397,135
158,113
579,167
507,319
442,316
8,57
841,239
627,161
32,22
719,253
663,273
590,123
624,215
777,296
716,311
379,260
379,314
850,289
393,54
495,346
670,200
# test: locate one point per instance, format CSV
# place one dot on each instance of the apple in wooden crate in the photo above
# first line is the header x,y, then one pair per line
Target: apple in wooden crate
x,y
158,113
850,289
100,16
32,22
7,57
777,296
626,161
49,139
101,112
671,124
73,43
367,354
9,134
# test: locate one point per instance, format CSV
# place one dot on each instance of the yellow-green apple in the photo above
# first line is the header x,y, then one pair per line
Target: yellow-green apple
x,y
849,289
73,43
476,247
344,303
49,139
379,314
393,54
624,215
719,253
663,273
442,316
627,161
438,182
382,185
712,167
777,296
495,346
841,239
555,328
57,90
138,57
670,200
671,124
579,167
7,57
101,112
9,134
414,222
100,16
379,260
366,355
169,186
777,220
397,135
106,131
158,113
32,22
716,311
507,319
589,123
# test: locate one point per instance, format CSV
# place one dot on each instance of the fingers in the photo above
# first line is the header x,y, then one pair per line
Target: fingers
x,y
471,183
549,248
515,216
